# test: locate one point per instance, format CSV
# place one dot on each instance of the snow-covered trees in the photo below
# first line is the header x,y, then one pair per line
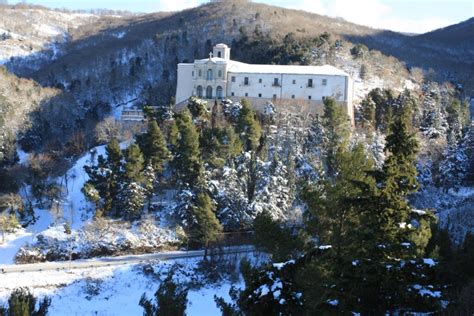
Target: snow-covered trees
x,y
248,127
117,187
454,166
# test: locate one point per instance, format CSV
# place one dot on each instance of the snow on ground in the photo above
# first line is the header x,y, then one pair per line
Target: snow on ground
x,y
75,206
13,242
117,290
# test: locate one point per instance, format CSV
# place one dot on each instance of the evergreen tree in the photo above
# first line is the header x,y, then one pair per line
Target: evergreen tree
x,y
332,218
173,135
455,165
273,238
454,119
134,164
367,111
337,131
133,191
187,160
104,184
387,237
248,127
154,148
170,299
206,226
23,303
197,107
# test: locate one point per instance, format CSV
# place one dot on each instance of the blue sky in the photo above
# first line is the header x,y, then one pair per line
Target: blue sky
x,y
416,16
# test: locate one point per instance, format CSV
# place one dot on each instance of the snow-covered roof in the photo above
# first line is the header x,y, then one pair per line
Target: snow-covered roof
x,y
284,69
238,67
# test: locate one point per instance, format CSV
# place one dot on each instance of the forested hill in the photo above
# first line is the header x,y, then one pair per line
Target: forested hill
x,y
117,59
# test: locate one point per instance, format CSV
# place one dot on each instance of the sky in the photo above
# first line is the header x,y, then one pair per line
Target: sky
x,y
413,16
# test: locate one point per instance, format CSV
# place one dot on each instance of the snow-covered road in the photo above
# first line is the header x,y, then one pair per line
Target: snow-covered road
x,y
120,260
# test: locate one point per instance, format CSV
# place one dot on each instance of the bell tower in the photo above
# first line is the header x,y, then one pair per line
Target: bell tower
x,y
221,51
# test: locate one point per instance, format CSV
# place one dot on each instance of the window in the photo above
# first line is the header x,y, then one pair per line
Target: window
x,y
209,74
192,74
199,91
294,81
219,73
259,80
246,94
274,97
309,97
200,73
310,83
325,82
246,81
276,83
232,79
292,96
232,94
259,95
219,92
219,54
209,92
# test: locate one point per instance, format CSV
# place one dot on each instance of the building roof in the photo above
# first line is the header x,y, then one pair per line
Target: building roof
x,y
238,67
286,69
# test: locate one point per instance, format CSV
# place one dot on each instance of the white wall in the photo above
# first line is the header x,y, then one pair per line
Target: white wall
x,y
335,87
184,86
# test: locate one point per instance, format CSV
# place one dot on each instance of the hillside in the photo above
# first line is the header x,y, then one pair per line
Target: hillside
x,y
36,34
117,60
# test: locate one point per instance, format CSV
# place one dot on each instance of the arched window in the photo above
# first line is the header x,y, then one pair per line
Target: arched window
x,y
219,93
219,54
209,92
199,91
209,74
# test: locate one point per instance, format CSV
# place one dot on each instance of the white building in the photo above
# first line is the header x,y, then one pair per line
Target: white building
x,y
305,87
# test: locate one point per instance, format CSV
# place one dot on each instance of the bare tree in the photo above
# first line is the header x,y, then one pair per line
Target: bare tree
x,y
106,130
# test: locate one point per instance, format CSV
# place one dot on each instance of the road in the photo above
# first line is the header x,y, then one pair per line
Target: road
x,y
115,261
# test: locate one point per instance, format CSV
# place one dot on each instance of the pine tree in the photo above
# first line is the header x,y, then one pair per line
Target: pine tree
x,y
133,193
454,167
173,135
23,303
134,164
170,299
105,178
454,118
367,111
133,200
187,161
114,156
154,148
248,127
272,237
206,226
337,130
387,237
332,219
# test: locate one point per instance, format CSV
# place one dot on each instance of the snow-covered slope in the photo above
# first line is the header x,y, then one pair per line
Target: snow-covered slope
x,y
75,208
36,34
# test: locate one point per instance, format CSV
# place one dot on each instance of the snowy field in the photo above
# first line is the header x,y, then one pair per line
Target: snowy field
x,y
117,290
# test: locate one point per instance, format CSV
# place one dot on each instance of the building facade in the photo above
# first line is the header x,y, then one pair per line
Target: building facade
x,y
219,77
